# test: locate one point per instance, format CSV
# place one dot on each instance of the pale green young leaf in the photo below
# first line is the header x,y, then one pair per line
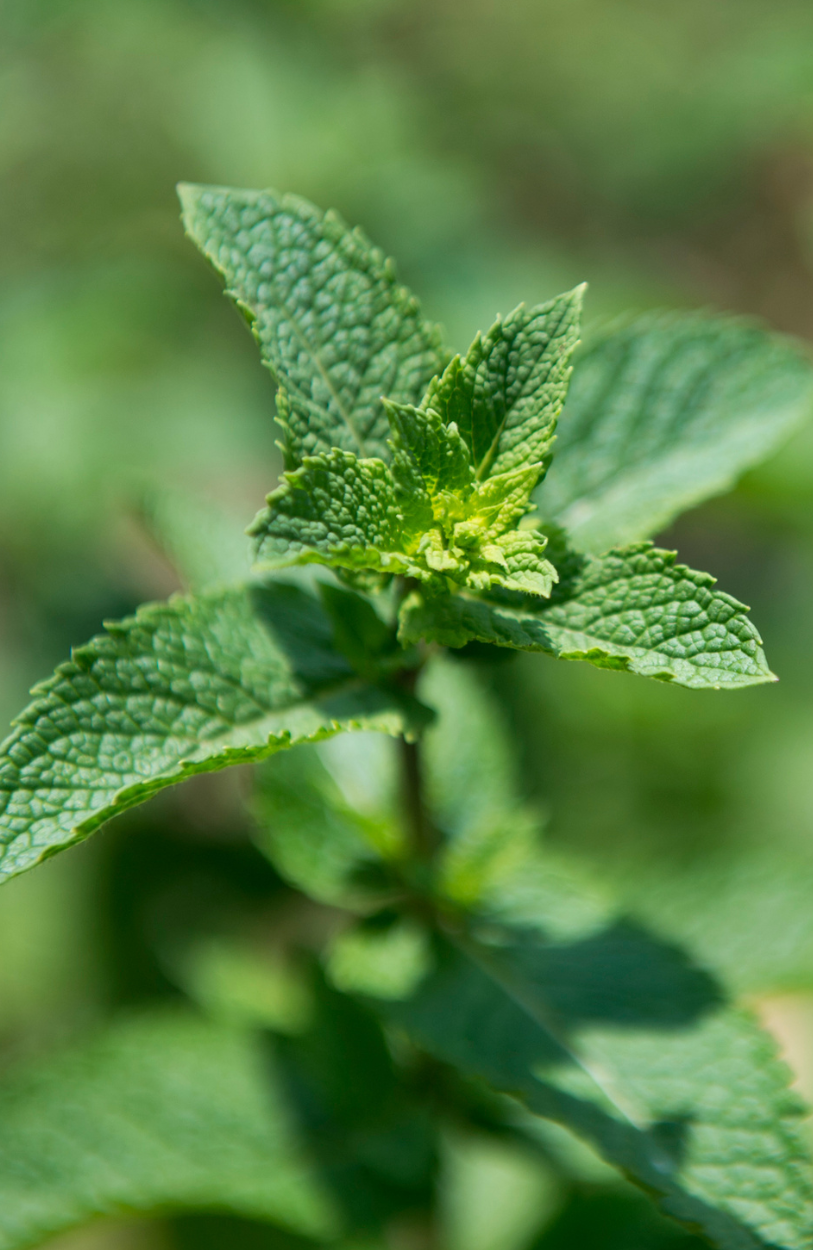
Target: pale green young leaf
x,y
506,394
182,687
163,1112
526,568
334,326
633,609
359,515
664,411
617,1038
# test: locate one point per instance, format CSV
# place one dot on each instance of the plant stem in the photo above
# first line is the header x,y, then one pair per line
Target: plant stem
x,y
423,837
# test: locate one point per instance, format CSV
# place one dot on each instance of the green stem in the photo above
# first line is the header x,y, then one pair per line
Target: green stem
x,y
424,838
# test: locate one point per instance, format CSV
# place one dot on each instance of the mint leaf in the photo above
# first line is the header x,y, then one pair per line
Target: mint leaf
x,y
663,412
382,961
315,839
182,687
159,1112
618,1038
333,510
634,609
506,394
334,326
430,462
422,517
369,1128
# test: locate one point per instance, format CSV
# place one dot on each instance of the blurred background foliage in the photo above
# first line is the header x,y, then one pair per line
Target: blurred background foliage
x,y
501,152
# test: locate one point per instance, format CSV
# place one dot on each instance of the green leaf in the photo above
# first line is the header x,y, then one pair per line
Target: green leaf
x,y
160,1112
469,761
702,904
364,1117
183,687
428,452
335,510
493,858
333,324
354,515
664,411
315,838
633,609
506,394
617,1038
367,641
386,962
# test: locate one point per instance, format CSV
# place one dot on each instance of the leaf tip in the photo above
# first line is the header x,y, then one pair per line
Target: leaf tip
x,y
189,194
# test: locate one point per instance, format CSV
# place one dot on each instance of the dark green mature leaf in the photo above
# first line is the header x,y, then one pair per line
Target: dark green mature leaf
x,y
619,1039
161,1112
506,394
634,609
663,412
367,1126
183,687
333,324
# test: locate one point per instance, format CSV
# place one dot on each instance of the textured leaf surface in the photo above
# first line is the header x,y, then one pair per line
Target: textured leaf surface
x,y
634,609
352,514
335,510
333,324
183,687
620,1040
664,412
158,1113
505,395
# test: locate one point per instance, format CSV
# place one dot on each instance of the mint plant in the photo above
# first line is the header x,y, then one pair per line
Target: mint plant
x,y
470,979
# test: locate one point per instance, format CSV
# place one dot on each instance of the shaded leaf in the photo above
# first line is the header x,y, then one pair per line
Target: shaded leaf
x,y
163,1112
314,838
619,1039
367,1128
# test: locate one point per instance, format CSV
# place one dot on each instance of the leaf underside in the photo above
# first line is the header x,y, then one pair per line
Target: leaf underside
x,y
183,687
160,1112
634,609
333,324
664,411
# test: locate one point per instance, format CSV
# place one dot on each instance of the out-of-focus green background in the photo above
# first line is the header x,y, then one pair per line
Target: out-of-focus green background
x,y
663,152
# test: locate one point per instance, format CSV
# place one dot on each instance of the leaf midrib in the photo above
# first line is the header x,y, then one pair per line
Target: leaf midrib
x,y
527,999
490,456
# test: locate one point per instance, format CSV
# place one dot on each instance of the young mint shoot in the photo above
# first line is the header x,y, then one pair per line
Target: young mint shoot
x,y
439,508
